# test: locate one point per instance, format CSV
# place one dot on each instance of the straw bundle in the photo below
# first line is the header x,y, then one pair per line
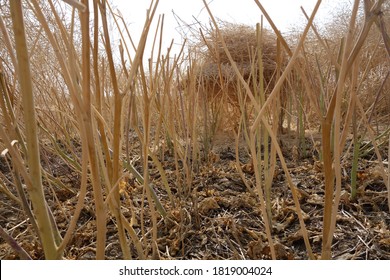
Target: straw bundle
x,y
216,74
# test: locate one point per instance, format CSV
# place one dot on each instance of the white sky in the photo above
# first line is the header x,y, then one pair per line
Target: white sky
x,y
284,13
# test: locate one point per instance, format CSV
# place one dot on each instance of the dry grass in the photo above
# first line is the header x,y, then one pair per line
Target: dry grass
x,y
216,75
98,154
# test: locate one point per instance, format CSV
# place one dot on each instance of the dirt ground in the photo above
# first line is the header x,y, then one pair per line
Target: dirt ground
x,y
219,218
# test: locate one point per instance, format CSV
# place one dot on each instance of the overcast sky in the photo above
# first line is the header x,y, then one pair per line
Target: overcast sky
x,y
285,13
